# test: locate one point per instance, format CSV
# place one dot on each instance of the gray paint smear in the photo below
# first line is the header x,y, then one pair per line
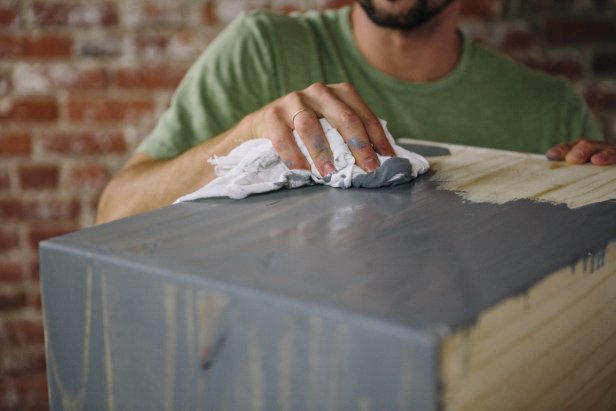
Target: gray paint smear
x,y
411,255
395,166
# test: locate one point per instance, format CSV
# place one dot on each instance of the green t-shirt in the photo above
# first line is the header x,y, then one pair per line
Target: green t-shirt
x,y
487,100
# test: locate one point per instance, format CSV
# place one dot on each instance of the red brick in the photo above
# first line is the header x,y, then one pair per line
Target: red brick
x,y
168,13
10,46
580,30
481,9
150,77
5,181
16,332
86,143
50,46
89,178
9,240
569,67
16,209
12,297
43,46
37,176
66,14
8,15
287,8
11,271
5,83
15,143
28,392
108,109
34,270
38,232
22,361
209,14
27,109
29,78
335,4
35,300
84,79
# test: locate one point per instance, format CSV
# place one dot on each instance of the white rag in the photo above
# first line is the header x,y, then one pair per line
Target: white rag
x,y
255,167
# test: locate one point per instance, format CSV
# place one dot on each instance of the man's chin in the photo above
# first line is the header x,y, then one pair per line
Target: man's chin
x,y
397,15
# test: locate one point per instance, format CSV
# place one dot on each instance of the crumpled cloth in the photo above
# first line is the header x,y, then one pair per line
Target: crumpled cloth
x,y
255,167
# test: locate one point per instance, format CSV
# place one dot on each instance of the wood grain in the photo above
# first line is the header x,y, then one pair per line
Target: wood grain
x,y
554,348
497,176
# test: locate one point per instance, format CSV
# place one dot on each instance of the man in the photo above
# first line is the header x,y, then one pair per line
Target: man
x,y
401,60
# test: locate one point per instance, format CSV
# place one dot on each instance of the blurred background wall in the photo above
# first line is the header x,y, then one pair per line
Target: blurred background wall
x,y
82,82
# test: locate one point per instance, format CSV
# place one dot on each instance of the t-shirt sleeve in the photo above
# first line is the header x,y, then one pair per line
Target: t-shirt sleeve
x,y
229,80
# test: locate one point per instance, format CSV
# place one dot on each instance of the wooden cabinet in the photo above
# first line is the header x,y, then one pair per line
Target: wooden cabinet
x,y
500,295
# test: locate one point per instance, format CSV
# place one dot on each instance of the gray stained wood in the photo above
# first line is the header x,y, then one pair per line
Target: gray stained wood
x,y
318,298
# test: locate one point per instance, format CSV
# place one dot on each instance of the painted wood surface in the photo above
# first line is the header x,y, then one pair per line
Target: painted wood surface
x,y
125,339
497,176
360,299
553,348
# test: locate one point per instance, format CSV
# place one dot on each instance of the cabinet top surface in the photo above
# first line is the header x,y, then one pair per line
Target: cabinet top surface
x,y
414,255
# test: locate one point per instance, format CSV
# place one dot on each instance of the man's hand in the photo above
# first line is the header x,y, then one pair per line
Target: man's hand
x,y
600,153
342,106
145,183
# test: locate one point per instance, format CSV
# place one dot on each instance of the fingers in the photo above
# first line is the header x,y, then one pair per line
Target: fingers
x,y
605,157
345,110
374,130
273,124
584,151
309,128
277,121
559,152
342,106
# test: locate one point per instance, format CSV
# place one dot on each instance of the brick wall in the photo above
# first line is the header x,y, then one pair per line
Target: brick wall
x,y
81,82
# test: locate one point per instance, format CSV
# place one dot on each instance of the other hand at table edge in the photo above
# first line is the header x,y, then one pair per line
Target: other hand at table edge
x,y
581,151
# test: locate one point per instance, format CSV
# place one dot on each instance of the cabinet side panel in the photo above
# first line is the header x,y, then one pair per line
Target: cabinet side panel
x,y
125,336
552,348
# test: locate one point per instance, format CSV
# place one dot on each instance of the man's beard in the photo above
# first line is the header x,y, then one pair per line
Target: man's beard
x,y
405,20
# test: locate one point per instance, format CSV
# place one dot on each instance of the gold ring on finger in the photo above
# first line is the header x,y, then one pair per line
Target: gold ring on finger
x,y
301,110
